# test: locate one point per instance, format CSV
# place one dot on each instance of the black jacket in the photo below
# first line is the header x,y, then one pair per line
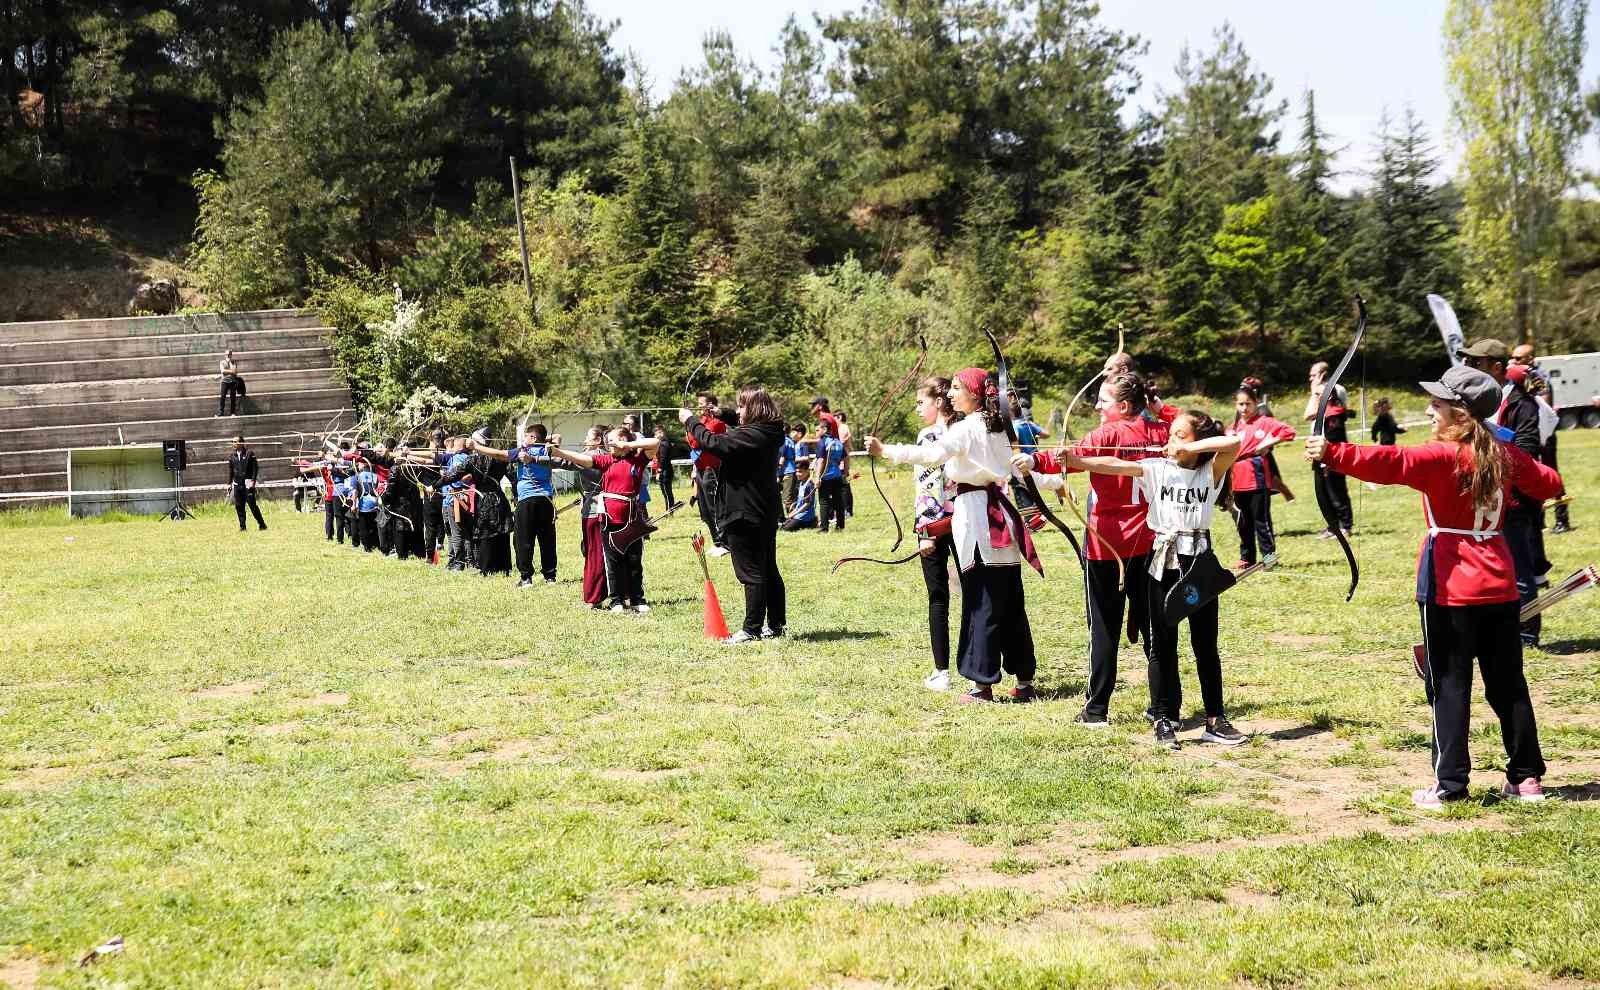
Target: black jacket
x,y
1521,417
242,467
749,471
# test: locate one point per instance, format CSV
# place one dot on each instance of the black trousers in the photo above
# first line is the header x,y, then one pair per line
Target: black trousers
x,y
385,534
624,570
711,504
367,530
494,554
1255,524
332,514
1105,603
1453,636
434,534
830,503
243,496
754,551
849,495
792,525
1335,489
231,388
1166,687
1522,531
536,523
936,575
664,480
995,635
400,538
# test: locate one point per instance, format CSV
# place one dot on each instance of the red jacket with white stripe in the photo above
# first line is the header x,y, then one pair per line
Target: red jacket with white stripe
x,y
1465,559
1114,510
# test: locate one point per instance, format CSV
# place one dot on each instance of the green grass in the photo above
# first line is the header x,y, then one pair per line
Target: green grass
x,y
269,761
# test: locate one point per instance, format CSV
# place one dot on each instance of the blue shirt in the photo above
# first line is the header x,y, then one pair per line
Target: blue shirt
x,y
832,459
789,449
805,508
1027,434
342,488
532,479
454,462
366,490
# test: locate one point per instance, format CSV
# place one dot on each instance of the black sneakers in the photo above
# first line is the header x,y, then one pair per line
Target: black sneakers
x,y
1220,730
1091,720
1166,736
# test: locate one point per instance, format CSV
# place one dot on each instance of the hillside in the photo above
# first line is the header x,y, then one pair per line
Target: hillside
x,y
74,259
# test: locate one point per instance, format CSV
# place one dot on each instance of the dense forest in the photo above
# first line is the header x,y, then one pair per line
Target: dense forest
x,y
915,169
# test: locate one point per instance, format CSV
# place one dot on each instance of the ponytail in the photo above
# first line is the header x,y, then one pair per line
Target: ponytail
x,y
1204,427
1128,387
1488,466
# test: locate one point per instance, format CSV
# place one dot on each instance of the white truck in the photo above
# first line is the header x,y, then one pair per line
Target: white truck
x,y
1575,383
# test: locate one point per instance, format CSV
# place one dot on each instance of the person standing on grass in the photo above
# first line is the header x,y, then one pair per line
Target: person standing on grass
x,y
457,505
1180,490
243,471
1117,527
830,460
786,469
988,536
592,516
1385,431
933,512
751,507
1543,389
492,517
622,471
1466,593
1333,486
365,492
705,471
661,466
803,513
535,514
1254,478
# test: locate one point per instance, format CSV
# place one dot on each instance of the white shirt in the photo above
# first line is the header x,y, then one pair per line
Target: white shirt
x,y
971,455
1181,501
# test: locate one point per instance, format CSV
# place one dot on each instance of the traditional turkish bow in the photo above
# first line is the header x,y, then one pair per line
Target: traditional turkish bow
x,y
1008,394
1066,489
872,462
1329,388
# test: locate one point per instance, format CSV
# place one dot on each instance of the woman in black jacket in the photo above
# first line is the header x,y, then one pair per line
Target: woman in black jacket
x,y
751,507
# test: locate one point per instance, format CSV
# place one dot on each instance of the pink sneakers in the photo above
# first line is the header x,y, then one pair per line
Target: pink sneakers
x,y
1528,790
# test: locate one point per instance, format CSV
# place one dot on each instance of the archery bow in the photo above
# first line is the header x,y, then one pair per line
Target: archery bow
x,y
1008,394
872,462
1329,389
1066,489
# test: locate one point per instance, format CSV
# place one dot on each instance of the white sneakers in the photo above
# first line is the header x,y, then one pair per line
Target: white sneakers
x,y
939,680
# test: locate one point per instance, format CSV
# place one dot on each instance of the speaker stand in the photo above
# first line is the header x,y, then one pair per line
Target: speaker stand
x,y
180,511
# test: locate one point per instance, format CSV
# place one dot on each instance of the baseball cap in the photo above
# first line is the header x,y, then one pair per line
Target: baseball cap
x,y
820,400
1488,347
1468,386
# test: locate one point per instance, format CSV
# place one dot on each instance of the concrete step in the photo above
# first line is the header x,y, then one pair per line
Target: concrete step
x,y
118,369
242,343
61,393
156,430
158,326
210,473
215,448
195,407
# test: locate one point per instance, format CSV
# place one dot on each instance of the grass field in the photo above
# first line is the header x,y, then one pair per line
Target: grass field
x,y
264,760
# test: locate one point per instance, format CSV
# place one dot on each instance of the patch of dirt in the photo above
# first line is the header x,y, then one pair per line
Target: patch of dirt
x,y
21,973
1295,639
38,778
242,689
952,851
1133,927
452,739
278,729
504,751
1244,897
183,762
781,874
510,663
641,776
331,699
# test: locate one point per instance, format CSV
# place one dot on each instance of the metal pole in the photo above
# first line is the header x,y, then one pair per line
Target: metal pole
x,y
522,232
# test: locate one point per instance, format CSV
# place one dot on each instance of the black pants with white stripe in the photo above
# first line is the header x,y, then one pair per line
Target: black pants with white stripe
x,y
1105,604
1453,636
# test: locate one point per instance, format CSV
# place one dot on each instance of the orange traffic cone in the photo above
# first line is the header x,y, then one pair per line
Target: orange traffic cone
x,y
716,626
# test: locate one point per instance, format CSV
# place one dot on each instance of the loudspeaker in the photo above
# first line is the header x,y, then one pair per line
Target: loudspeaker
x,y
174,455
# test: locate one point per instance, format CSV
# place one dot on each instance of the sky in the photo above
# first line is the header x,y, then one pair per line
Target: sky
x,y
1360,56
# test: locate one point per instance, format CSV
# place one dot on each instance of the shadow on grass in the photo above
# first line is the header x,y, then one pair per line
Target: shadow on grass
x,y
1062,691
1570,647
1300,732
835,635
1576,792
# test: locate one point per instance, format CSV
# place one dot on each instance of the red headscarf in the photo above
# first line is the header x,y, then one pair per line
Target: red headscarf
x,y
973,379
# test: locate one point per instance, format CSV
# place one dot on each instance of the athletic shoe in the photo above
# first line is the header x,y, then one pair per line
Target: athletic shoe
x,y
939,680
1561,527
618,608
1528,790
767,632
1166,736
1024,694
1150,716
548,581
1431,798
1542,581
718,552
977,695
1220,730
1326,534
1270,560
642,608
524,583
1090,720
740,637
